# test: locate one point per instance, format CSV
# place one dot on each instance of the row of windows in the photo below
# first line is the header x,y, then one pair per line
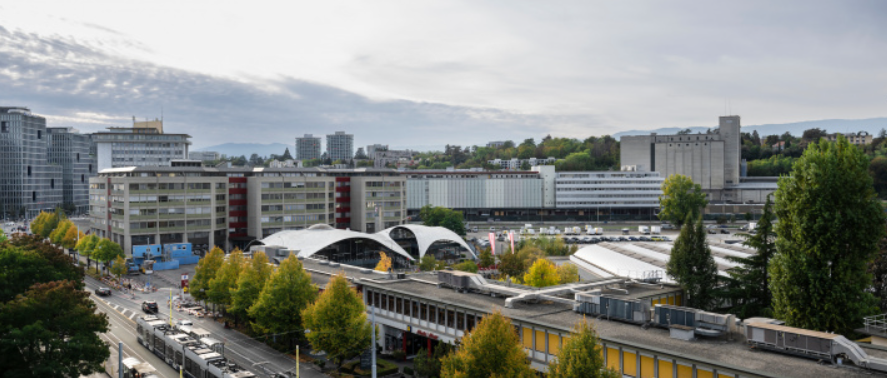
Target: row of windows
x,y
295,218
191,198
383,184
297,185
280,196
174,223
447,317
172,186
300,206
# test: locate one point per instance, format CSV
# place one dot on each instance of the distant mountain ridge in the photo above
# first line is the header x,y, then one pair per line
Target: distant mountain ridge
x,y
247,149
870,125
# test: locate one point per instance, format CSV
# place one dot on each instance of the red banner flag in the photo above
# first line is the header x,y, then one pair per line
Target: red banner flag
x,y
493,243
511,237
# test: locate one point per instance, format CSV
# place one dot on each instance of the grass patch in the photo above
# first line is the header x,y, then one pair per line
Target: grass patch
x,y
382,368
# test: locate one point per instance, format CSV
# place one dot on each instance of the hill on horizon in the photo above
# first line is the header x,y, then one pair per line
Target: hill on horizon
x,y
247,149
870,125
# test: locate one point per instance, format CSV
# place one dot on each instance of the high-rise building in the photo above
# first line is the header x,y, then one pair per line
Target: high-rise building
x,y
28,182
307,147
372,149
71,150
340,146
143,145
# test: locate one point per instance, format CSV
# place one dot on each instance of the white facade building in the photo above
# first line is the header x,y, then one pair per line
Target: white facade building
x,y
608,189
474,190
143,145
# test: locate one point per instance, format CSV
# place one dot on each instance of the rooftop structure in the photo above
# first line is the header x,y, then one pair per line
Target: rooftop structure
x,y
143,145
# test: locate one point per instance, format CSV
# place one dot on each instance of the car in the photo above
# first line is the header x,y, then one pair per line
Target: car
x,y
723,226
712,231
723,231
103,291
149,307
184,323
644,238
633,238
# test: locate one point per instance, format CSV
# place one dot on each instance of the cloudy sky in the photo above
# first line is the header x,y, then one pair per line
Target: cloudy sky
x,y
427,73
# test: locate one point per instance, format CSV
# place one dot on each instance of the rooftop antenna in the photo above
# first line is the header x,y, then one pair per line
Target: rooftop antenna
x,y
725,106
730,106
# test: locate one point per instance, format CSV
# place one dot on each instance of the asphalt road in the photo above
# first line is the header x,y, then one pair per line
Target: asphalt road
x,y
239,348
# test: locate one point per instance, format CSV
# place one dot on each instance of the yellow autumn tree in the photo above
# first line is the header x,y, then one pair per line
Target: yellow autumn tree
x,y
384,262
541,274
491,350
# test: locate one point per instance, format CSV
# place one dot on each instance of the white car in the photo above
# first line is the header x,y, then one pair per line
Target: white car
x,y
184,323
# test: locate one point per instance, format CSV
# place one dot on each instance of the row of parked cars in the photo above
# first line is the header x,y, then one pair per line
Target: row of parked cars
x,y
613,239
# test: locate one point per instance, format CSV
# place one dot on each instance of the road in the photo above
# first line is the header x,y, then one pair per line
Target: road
x,y
239,348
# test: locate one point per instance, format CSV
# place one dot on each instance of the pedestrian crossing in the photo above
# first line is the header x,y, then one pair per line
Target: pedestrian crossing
x,y
129,313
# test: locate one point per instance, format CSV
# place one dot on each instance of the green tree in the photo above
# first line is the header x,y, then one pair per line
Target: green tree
x,y
118,268
747,287
204,273
250,283
692,265
434,216
39,222
878,171
525,165
52,331
427,263
106,250
510,264
485,259
23,264
830,223
286,293
86,246
225,281
681,199
494,339
878,269
338,322
466,266
429,366
541,274
567,273
581,355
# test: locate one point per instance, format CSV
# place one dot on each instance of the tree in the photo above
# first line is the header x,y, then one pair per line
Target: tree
x,y
360,154
118,268
878,171
494,339
878,269
86,246
286,155
384,263
485,259
338,322
692,265
72,236
52,331
434,216
204,273
286,293
541,274
510,264
250,283
747,288
429,366
59,233
525,165
225,281
581,355
466,266
59,263
567,273
24,265
39,222
830,223
106,250
427,263
681,199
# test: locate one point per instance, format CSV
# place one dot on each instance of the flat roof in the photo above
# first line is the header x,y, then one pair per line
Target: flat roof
x,y
735,355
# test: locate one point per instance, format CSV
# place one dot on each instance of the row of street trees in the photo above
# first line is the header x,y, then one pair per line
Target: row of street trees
x,y
61,231
813,269
282,301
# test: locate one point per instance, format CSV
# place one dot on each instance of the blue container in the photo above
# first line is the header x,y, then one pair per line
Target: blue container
x,y
148,251
176,250
193,259
166,265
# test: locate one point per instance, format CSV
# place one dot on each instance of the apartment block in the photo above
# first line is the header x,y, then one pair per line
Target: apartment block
x,y
340,146
307,147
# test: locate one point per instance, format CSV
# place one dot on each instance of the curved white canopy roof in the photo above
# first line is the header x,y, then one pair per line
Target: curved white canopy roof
x,y
426,236
310,241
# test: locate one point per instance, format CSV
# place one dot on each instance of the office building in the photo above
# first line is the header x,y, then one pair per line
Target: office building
x,y
383,158
234,206
340,146
143,145
373,148
515,163
204,155
859,139
308,147
613,195
71,150
29,182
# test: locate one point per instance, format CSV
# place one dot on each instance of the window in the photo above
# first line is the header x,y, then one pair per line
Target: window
x,y
39,134
4,127
385,302
399,305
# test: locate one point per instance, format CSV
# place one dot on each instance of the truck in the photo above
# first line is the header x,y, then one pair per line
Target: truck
x,y
656,230
644,230
577,231
598,231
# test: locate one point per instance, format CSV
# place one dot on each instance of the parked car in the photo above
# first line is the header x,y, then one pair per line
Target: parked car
x,y
149,307
103,291
712,231
723,231
633,238
184,323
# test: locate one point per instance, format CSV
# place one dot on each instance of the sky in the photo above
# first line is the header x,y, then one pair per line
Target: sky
x,y
422,74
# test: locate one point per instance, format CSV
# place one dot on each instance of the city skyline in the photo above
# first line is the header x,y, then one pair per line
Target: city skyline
x,y
449,72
